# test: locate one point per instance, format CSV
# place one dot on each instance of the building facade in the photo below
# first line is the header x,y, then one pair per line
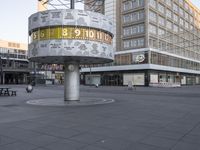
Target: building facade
x,y
14,66
156,41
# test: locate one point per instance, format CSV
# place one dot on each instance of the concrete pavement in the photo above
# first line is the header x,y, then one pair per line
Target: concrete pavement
x,y
142,119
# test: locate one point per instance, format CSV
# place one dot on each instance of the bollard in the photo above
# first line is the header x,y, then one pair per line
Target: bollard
x,y
29,88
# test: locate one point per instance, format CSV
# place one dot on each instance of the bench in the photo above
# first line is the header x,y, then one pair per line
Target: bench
x,y
7,92
13,93
1,92
4,91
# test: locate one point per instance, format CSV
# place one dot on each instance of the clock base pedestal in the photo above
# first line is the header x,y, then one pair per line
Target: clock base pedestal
x,y
72,82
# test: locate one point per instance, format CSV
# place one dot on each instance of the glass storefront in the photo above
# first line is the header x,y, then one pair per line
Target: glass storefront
x,y
150,76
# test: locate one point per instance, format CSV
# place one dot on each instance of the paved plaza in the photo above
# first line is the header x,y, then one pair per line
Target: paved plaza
x,y
142,119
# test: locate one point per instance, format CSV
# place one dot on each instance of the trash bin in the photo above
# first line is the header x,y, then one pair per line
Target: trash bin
x,y
33,83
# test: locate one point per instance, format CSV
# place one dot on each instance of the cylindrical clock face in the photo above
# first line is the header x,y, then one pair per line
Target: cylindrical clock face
x,y
69,35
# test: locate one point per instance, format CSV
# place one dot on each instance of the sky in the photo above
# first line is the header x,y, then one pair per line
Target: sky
x,y
14,18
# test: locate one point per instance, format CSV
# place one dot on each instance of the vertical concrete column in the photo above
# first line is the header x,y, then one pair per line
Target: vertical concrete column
x,y
24,79
72,82
3,78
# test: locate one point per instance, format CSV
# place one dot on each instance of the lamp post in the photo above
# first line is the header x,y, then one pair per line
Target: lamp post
x,y
34,74
72,4
1,69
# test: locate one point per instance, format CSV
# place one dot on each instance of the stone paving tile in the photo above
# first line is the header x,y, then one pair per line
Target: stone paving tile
x,y
29,125
92,148
65,145
40,148
57,132
151,124
159,141
6,140
84,128
63,124
42,140
113,144
4,129
5,125
179,128
120,125
191,139
193,121
134,136
19,134
141,130
185,123
43,120
87,138
140,146
196,130
18,146
107,132
168,134
186,146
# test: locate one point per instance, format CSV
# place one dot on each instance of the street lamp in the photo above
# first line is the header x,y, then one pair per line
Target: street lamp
x,y
1,70
33,82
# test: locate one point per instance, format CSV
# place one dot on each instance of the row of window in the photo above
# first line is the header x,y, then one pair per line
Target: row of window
x,y
134,16
123,59
182,48
156,58
14,64
161,31
153,17
133,43
184,16
182,8
132,4
166,60
176,39
10,56
133,30
14,51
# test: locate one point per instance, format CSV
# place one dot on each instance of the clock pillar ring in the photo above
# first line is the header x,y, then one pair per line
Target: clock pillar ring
x,y
70,37
72,81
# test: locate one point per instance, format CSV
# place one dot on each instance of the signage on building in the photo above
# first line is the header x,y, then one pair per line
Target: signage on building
x,y
140,58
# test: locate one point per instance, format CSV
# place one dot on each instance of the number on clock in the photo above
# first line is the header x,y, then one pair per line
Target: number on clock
x,y
77,32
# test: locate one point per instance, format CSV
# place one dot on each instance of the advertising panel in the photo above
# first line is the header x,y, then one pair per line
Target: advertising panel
x,y
140,57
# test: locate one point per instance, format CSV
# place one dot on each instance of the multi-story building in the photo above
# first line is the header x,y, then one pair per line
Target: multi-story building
x,y
94,5
14,68
159,41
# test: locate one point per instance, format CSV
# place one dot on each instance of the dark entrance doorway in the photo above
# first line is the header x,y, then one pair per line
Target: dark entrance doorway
x,y
112,79
15,78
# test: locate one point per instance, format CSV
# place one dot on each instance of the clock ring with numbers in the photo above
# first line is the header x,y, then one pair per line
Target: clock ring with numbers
x,y
69,35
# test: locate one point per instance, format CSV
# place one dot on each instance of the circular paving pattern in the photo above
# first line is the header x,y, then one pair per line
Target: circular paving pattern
x,y
85,101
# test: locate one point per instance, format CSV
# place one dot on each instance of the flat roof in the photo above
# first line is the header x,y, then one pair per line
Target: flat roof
x,y
13,45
